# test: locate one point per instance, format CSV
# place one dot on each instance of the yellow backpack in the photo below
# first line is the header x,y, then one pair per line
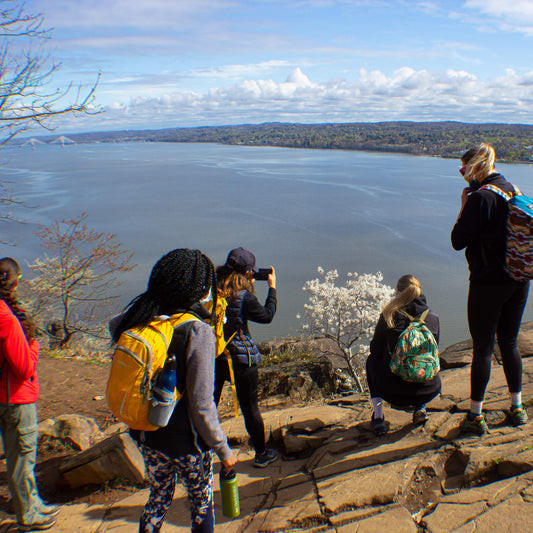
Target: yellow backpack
x,y
218,328
139,355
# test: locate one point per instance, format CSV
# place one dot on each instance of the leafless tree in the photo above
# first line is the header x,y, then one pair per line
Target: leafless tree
x,y
26,73
26,96
74,285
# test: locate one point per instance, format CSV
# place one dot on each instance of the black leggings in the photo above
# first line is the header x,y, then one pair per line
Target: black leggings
x,y
246,384
495,310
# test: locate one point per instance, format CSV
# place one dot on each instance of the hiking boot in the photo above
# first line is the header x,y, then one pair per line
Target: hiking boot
x,y
265,458
49,510
378,425
420,416
45,523
517,416
475,425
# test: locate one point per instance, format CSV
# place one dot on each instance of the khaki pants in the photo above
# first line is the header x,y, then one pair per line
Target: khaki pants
x,y
18,426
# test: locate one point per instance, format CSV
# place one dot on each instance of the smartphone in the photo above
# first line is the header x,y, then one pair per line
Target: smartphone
x,y
262,274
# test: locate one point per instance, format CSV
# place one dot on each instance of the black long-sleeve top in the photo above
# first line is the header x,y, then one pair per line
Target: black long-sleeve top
x,y
481,229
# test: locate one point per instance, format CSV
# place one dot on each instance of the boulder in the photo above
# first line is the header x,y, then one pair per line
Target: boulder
x,y
116,456
299,380
295,442
460,353
77,431
456,355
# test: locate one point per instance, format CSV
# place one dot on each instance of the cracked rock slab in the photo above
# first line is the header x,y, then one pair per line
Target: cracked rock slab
x,y
512,516
295,506
376,485
397,520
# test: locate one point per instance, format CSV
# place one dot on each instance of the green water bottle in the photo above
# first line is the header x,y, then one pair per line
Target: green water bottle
x,y
229,492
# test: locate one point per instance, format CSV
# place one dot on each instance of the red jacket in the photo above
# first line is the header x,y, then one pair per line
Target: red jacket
x,y
18,361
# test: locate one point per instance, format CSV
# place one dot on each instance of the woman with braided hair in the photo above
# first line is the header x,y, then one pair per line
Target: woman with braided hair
x,y
179,282
19,390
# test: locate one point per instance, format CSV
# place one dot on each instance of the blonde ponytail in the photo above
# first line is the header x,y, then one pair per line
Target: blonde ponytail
x,y
407,289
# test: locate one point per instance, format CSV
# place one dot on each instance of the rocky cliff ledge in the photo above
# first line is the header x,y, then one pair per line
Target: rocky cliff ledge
x,y
336,476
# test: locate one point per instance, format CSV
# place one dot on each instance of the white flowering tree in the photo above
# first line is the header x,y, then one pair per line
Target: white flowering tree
x,y
346,315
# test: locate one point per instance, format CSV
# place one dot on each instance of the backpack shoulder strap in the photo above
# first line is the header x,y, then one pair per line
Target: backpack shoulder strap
x,y
498,191
422,317
180,341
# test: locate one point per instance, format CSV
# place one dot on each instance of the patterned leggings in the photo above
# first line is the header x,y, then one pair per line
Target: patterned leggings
x,y
195,472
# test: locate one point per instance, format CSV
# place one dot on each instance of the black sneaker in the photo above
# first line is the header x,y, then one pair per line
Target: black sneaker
x,y
45,523
378,425
265,458
420,416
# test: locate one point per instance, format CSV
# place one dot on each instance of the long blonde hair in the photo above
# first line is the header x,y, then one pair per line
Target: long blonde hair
x,y
230,282
479,162
407,289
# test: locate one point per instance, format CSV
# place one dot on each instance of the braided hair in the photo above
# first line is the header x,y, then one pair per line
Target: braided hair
x,y
179,279
9,277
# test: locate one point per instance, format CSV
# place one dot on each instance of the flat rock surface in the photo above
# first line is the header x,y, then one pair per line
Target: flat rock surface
x,y
430,478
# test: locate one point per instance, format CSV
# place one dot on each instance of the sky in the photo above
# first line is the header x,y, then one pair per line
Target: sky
x,y
182,63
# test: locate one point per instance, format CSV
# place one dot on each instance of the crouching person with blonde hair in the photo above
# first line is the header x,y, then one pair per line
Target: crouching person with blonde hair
x,y
409,303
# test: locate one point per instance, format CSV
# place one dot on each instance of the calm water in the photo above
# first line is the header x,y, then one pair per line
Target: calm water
x,y
296,209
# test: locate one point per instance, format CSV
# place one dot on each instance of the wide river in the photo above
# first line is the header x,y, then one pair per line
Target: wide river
x,y
295,209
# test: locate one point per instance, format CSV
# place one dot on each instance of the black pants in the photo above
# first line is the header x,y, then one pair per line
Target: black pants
x,y
246,384
382,383
495,310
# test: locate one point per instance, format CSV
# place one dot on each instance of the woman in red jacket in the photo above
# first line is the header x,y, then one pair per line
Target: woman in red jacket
x,y
19,390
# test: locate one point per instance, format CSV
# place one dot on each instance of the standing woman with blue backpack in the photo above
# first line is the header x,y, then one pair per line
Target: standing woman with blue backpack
x,y
182,450
408,303
496,301
235,281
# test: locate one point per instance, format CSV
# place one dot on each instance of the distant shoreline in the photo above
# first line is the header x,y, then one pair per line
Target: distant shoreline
x,y
513,142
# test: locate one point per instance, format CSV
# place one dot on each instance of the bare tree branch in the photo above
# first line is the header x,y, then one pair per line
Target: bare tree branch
x,y
26,73
77,281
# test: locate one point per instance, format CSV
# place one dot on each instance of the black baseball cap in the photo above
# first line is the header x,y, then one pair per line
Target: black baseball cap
x,y
241,260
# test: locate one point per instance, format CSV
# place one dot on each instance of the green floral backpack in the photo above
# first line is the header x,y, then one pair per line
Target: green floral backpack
x,y
416,355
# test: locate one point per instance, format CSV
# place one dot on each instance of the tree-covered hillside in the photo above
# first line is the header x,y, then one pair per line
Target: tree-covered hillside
x,y
512,142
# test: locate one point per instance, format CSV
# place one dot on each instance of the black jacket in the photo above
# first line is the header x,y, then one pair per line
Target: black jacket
x,y
481,229
381,381
240,309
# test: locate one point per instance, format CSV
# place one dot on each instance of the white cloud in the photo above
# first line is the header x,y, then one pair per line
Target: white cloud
x,y
133,14
509,15
239,71
406,94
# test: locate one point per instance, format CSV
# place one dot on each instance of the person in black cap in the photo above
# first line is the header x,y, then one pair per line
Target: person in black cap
x,y
235,281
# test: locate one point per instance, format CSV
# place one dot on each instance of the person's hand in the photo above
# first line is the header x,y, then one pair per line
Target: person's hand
x,y
464,195
272,278
229,463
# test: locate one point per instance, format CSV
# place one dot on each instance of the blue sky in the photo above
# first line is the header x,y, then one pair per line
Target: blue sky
x,y
175,63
